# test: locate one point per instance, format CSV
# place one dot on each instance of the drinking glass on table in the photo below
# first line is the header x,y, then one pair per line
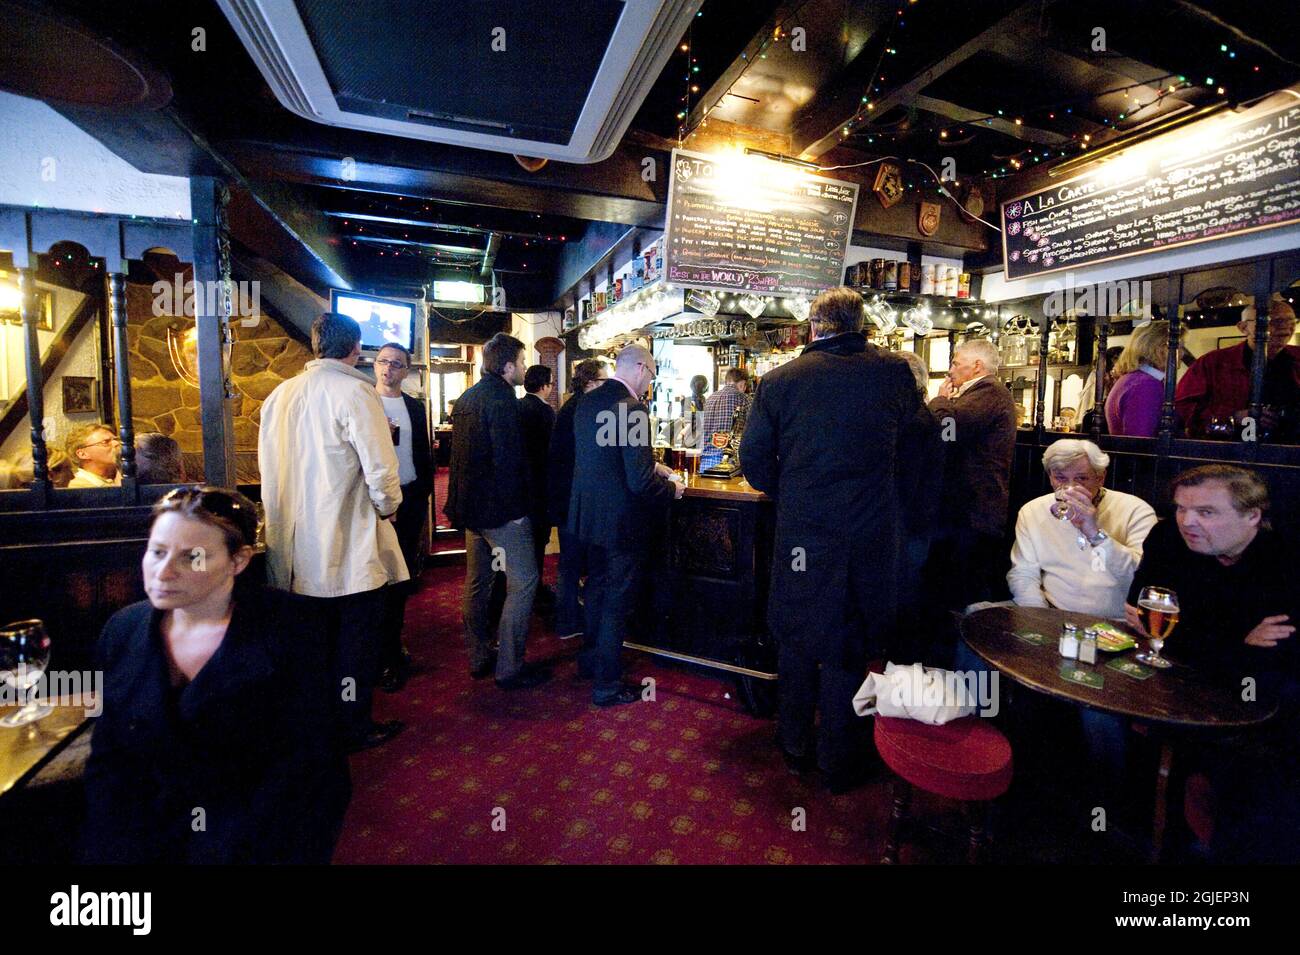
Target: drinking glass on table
x,y
1158,612
24,655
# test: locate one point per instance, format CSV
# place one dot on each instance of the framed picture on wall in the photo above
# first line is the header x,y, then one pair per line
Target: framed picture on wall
x,y
44,312
79,394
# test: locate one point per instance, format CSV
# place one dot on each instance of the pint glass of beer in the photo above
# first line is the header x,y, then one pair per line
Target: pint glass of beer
x,y
1158,611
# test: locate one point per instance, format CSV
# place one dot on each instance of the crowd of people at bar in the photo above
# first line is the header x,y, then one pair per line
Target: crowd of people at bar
x,y
890,513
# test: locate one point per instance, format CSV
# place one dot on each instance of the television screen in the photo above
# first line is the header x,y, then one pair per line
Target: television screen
x,y
382,320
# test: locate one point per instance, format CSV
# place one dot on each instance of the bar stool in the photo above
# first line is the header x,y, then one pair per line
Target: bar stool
x,y
968,760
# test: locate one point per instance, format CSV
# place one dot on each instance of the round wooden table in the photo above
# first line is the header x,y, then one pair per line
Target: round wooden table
x,y
1179,696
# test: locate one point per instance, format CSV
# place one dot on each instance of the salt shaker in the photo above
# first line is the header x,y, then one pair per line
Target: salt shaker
x,y
1070,641
1088,646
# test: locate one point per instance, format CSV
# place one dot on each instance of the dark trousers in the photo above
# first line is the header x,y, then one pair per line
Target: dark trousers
x,y
910,641
573,565
807,687
970,566
354,631
1255,777
411,515
611,582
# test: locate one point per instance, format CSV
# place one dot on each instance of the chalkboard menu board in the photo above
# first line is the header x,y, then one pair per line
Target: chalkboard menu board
x,y
748,224
1222,176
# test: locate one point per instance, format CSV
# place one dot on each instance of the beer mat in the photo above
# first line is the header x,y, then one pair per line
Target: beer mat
x,y
1130,668
1072,673
1111,638
1030,636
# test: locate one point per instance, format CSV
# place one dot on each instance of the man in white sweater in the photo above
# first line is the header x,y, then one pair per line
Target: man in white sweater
x,y
1077,548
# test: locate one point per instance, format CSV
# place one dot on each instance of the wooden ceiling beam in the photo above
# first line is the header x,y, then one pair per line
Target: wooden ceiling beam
x,y
1007,127
433,224
813,138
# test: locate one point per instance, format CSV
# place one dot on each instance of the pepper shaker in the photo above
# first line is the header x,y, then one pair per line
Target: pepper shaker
x,y
1088,646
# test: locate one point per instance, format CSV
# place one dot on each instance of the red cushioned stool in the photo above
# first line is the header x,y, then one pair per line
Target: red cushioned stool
x,y
967,759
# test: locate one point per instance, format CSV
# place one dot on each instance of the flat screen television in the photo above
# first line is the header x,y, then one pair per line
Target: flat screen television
x,y
382,320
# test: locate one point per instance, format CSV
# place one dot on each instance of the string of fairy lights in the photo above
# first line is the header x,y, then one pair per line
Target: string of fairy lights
x,y
750,55
860,129
368,229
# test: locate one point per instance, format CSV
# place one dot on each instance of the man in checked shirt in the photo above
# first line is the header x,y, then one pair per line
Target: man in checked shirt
x,y
720,407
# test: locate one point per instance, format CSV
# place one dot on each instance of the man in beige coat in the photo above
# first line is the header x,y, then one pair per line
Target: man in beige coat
x,y
330,488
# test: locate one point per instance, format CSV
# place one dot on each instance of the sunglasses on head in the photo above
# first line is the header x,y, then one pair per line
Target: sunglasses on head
x,y
218,502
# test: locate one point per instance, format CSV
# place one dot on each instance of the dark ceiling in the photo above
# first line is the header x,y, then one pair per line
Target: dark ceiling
x,y
993,85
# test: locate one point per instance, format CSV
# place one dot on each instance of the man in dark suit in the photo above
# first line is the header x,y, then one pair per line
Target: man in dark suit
x,y
617,487
410,430
537,419
977,421
487,495
587,376
823,439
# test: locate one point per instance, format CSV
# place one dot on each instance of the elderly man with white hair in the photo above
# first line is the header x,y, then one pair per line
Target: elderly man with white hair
x,y
977,422
1077,548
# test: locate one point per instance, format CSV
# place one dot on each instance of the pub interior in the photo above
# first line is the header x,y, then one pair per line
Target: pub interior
x,y
957,369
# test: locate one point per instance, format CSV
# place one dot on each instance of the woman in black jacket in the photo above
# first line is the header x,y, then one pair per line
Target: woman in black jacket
x,y
217,742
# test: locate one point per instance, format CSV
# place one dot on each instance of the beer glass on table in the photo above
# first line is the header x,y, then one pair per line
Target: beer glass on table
x,y
24,656
1158,612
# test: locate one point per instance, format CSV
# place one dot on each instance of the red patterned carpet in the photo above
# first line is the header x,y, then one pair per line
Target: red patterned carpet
x,y
688,778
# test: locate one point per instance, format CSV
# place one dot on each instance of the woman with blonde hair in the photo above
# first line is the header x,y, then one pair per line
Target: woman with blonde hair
x,y
1133,405
21,473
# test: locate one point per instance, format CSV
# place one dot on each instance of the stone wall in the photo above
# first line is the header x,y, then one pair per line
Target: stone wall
x,y
262,356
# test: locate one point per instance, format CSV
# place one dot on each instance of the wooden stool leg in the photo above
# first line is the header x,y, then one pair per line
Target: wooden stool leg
x,y
902,799
977,815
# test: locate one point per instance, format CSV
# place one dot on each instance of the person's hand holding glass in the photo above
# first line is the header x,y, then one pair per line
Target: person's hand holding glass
x,y
1074,504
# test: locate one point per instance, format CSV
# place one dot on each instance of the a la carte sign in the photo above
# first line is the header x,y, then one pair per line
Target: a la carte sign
x,y
1225,175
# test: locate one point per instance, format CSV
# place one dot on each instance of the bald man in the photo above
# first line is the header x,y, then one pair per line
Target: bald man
x,y
617,492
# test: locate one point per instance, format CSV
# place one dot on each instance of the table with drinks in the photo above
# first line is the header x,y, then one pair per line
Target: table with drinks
x,y
1041,648
33,729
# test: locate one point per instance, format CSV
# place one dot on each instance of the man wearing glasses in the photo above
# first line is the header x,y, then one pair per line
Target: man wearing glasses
x,y
407,422
618,495
93,449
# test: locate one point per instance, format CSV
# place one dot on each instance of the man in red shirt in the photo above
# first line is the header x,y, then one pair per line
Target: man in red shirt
x,y
1218,383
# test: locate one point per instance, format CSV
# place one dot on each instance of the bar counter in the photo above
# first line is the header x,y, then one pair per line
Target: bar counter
x,y
720,489
707,584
